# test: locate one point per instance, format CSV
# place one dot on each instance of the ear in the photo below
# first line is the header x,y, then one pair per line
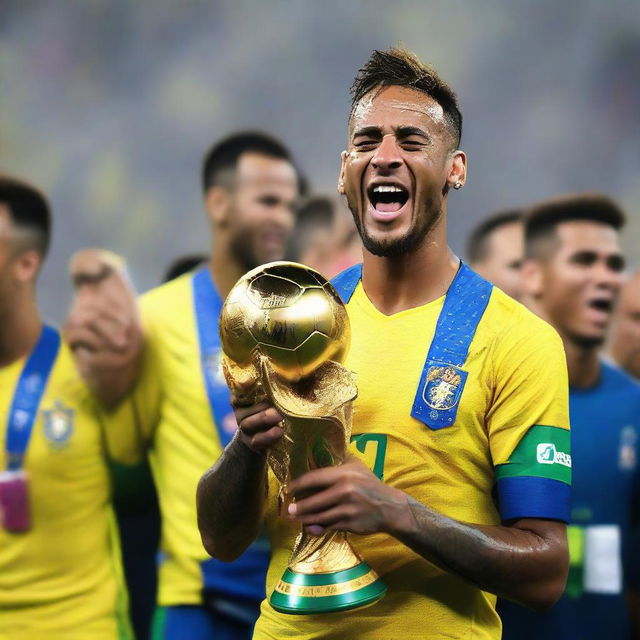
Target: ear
x,y
458,170
26,266
343,163
532,278
217,201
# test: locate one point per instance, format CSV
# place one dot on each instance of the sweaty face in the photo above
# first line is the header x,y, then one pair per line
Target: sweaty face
x,y
503,260
395,171
581,281
626,327
262,209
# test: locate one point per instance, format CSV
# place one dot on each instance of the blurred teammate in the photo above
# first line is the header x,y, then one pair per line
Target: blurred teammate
x,y
181,403
314,241
325,237
572,276
457,386
495,249
624,343
184,264
60,574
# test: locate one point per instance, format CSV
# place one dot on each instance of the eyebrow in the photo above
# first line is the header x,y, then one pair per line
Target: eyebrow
x,y
401,132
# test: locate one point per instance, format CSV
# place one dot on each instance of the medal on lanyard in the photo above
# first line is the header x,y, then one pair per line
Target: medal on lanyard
x,y
14,487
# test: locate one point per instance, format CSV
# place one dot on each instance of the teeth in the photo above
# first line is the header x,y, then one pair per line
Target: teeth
x,y
383,188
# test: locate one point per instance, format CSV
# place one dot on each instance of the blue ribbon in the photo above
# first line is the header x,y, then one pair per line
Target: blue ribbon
x,y
442,380
208,304
28,394
245,576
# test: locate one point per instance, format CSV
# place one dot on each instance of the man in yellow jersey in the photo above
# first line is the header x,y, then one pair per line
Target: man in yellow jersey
x,y
469,487
60,574
181,403
495,250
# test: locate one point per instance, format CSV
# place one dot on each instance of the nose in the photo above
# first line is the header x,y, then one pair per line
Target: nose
x,y
284,215
387,156
609,278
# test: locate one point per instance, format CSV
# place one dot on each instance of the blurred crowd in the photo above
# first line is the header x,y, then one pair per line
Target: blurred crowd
x,y
559,257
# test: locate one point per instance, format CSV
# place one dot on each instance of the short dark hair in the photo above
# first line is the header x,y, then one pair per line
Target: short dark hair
x,y
317,212
542,219
478,242
182,265
28,209
399,67
224,155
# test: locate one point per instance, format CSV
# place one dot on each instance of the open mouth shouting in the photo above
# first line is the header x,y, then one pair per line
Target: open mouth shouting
x,y
600,309
386,200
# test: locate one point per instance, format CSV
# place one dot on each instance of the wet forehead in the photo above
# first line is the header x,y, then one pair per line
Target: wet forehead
x,y
391,107
579,235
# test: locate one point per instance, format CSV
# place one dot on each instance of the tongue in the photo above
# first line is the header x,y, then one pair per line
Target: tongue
x,y
388,207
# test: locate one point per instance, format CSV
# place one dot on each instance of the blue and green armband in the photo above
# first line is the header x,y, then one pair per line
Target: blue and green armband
x,y
536,480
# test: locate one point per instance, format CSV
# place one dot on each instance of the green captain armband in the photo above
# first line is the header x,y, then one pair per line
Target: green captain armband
x,y
535,481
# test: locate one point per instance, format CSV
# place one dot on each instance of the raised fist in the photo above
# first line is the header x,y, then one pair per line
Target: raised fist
x,y
103,327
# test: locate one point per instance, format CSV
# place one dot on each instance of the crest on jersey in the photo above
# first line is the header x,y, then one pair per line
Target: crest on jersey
x,y
58,424
627,454
443,387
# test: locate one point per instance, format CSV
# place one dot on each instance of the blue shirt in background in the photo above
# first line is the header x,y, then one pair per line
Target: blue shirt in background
x,y
605,430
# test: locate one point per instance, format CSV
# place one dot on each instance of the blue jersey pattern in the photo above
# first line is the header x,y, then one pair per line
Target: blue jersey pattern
x,y
605,430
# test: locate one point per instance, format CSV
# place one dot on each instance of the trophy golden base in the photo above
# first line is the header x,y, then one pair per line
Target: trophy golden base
x,y
302,593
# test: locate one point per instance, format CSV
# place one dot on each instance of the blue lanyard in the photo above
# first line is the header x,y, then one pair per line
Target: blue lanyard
x,y
27,396
442,380
207,306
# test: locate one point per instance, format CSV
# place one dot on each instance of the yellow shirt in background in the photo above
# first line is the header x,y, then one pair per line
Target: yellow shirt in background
x,y
61,580
170,409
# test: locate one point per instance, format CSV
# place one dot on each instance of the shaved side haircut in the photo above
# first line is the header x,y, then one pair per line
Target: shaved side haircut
x,y
221,160
478,243
542,220
399,67
29,211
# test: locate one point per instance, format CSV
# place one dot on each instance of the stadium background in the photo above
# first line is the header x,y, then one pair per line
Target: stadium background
x,y
109,105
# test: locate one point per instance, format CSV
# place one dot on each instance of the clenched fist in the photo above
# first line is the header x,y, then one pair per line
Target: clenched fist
x,y
103,327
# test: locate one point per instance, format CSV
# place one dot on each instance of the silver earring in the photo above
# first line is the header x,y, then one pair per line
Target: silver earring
x,y
457,185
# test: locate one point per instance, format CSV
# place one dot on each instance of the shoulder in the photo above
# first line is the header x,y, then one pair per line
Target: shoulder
x,y
168,305
618,378
510,321
165,296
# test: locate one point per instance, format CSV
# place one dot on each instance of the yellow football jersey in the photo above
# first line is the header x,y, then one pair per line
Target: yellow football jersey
x,y
517,379
170,409
62,578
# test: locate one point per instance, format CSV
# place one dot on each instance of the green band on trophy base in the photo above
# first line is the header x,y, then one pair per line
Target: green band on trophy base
x,y
325,592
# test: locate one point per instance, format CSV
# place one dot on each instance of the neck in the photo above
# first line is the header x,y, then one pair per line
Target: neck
x,y
618,352
411,280
583,364
20,328
225,269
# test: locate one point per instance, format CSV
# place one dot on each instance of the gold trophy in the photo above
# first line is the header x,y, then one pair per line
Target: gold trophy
x,y
284,332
